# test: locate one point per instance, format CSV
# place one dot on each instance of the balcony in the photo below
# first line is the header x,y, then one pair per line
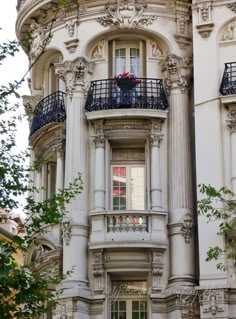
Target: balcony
x,y
108,95
49,110
127,228
228,83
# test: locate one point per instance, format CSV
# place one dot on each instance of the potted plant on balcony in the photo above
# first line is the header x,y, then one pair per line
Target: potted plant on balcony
x,y
126,81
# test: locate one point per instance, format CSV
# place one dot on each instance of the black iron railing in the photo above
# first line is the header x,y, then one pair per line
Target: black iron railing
x,y
228,83
50,109
108,94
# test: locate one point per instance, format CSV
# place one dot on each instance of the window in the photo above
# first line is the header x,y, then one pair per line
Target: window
x,y
130,307
128,179
127,55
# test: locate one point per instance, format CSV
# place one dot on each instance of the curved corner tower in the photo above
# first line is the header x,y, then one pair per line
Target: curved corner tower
x,y
112,98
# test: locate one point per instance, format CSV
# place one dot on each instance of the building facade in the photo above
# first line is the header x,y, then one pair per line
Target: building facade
x,y
138,97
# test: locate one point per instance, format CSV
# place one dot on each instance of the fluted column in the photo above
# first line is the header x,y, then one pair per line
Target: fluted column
x,y
99,170
177,73
155,139
75,74
232,125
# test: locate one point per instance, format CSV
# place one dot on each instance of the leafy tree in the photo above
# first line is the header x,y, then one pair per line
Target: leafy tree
x,y
23,292
220,206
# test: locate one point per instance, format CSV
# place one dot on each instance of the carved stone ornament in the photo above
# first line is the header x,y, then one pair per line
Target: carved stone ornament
x,y
66,230
213,300
228,33
205,25
74,74
231,121
40,37
71,45
29,102
232,6
187,228
157,269
126,14
98,50
70,26
156,135
157,52
64,313
177,72
99,137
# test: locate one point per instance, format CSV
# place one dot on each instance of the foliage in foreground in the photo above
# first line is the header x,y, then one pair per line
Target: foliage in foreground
x,y
23,292
220,206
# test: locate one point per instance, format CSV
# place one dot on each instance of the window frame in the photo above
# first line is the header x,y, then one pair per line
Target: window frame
x,y
128,164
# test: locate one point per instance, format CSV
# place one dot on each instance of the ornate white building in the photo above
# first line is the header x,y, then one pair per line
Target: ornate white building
x,y
133,238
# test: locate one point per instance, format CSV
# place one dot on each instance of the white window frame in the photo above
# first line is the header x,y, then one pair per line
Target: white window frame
x,y
128,167
127,45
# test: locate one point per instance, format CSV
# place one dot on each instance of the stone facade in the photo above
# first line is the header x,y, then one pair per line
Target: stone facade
x,y
133,238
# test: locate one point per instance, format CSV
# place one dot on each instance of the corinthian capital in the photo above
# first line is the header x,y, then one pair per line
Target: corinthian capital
x,y
177,72
75,74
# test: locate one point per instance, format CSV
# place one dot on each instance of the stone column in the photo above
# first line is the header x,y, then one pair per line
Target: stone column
x,y
155,139
232,125
177,73
75,224
99,171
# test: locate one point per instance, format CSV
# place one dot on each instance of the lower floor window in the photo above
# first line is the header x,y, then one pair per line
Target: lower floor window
x,y
129,309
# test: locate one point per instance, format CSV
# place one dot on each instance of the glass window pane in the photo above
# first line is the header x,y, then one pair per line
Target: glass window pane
x,y
119,188
134,61
122,305
120,61
135,305
137,188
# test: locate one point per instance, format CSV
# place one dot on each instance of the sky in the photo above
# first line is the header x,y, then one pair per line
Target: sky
x,y
14,67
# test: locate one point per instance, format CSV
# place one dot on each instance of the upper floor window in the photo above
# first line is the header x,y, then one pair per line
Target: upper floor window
x,y
128,56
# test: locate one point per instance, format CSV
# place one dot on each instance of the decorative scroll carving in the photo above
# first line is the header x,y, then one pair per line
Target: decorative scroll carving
x,y
74,73
126,14
231,121
66,230
213,301
156,49
99,137
98,271
70,26
232,6
29,102
205,25
98,50
182,36
64,313
71,45
157,269
40,37
156,136
177,72
228,33
187,228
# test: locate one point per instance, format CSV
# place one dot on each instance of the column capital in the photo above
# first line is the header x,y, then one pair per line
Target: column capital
x,y
155,135
59,147
75,74
99,136
231,121
177,72
29,102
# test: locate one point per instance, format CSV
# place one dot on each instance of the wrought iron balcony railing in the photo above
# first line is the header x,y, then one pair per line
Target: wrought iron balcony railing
x,y
49,110
145,93
228,83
